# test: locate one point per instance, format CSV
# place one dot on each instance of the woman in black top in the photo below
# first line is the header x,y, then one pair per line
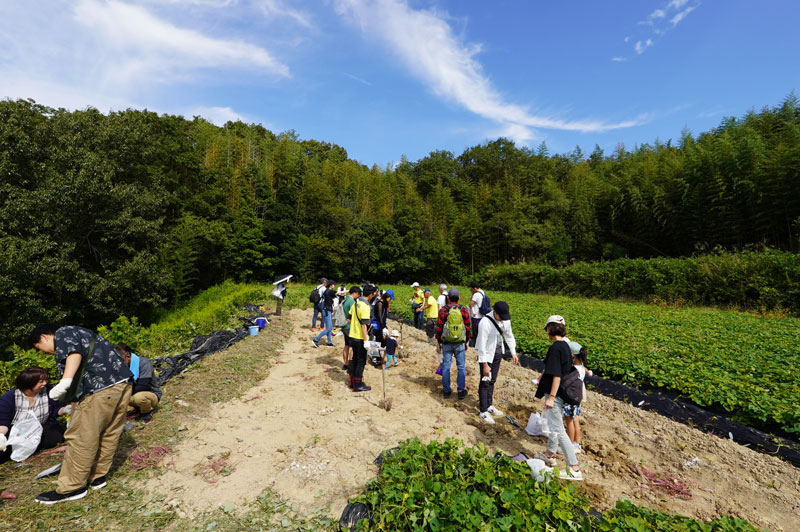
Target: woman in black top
x,y
557,364
381,312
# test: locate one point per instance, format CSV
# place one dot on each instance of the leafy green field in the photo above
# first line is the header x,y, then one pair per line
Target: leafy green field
x,y
748,364
447,486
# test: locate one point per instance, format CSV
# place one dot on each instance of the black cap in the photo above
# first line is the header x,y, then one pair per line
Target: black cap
x,y
474,284
501,307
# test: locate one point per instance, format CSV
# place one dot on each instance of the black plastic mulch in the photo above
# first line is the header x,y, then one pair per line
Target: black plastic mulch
x,y
204,345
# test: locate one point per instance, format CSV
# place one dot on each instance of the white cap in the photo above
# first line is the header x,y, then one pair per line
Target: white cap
x,y
414,285
442,286
555,318
395,333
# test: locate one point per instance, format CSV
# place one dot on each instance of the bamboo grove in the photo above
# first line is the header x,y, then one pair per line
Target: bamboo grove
x,y
131,211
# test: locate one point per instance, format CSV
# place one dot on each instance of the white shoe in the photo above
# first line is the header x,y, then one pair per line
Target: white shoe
x,y
486,417
548,461
493,411
569,474
577,447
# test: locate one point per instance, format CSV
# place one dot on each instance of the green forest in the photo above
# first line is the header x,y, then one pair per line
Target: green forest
x,y
125,213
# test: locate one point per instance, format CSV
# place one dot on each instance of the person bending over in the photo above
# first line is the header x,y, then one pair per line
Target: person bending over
x,y
146,393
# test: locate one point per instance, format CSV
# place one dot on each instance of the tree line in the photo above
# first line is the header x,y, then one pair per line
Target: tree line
x,y
129,212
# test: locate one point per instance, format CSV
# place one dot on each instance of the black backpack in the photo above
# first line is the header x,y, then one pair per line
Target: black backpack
x,y
486,305
571,387
313,297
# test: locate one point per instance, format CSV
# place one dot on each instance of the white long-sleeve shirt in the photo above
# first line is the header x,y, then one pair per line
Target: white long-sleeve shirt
x,y
488,338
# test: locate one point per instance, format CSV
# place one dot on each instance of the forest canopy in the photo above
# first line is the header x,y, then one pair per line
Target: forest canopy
x,y
126,212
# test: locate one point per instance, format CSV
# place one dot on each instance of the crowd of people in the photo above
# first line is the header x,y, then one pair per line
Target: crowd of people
x,y
454,328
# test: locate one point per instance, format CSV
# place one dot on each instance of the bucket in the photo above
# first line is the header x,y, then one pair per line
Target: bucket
x,y
261,322
253,330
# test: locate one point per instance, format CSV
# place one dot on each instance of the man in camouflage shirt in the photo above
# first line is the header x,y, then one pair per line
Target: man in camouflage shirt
x,y
101,401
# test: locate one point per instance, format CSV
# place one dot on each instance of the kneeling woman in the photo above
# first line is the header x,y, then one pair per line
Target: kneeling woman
x,y
30,395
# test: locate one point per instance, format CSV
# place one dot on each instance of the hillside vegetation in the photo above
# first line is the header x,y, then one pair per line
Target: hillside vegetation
x,y
124,213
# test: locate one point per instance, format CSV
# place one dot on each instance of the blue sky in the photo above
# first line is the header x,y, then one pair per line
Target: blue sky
x,y
386,78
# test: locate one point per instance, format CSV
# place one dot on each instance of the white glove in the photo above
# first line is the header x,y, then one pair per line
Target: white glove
x,y
3,442
385,332
68,410
60,390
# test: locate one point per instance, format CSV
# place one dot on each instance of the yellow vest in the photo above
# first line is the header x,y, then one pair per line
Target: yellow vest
x,y
359,311
433,310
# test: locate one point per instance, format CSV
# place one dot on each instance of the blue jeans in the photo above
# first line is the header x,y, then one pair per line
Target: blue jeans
x,y
326,319
558,434
315,311
459,351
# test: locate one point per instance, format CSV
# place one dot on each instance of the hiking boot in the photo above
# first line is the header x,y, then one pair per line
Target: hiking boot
x,y
132,414
98,483
462,394
494,411
146,418
53,497
486,417
447,395
569,474
315,343
361,387
548,461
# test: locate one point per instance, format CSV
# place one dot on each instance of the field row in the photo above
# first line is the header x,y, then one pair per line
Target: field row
x,y
745,363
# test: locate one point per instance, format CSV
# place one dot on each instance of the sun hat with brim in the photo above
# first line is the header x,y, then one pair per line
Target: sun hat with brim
x,y
555,318
414,285
395,333
501,307
574,347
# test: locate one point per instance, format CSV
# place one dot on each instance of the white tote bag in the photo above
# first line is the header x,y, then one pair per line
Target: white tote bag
x,y
24,437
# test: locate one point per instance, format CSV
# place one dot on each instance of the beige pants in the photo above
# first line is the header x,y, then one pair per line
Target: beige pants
x,y
92,437
144,401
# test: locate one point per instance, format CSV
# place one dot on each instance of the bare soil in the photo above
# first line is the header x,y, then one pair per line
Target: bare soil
x,y
304,434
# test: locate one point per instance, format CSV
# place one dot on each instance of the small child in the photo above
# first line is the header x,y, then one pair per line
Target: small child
x,y
572,413
391,349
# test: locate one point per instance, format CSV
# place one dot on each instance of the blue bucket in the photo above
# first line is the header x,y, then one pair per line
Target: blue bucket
x,y
261,322
253,330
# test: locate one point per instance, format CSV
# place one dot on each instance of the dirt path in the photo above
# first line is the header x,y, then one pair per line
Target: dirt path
x,y
302,433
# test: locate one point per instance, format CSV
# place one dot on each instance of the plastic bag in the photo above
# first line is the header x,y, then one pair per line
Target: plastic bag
x,y
352,514
537,425
539,471
24,437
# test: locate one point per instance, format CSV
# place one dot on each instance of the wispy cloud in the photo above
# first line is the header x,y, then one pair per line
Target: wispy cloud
x,y
218,115
146,46
356,78
278,8
425,43
619,59
658,23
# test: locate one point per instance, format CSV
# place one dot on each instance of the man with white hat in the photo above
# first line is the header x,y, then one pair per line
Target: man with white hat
x,y
442,299
416,302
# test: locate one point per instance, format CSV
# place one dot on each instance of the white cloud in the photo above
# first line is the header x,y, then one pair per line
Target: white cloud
x,y
680,16
426,45
658,13
278,8
677,4
619,59
641,46
219,115
139,45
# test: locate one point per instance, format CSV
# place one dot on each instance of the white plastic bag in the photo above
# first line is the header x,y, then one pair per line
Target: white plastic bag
x,y
539,471
24,437
537,425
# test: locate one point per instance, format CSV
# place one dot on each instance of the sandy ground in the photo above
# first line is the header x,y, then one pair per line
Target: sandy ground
x,y
303,433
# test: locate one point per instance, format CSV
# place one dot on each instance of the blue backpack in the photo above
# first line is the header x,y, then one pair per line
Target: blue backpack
x,y
486,305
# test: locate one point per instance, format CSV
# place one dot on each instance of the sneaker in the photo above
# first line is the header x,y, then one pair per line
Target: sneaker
x,y
486,417
330,345
447,395
361,387
546,459
344,367
569,474
53,497
315,343
98,483
146,418
462,394
577,447
313,329
494,411
132,414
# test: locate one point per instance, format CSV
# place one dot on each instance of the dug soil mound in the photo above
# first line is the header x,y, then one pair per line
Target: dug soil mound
x,y
304,434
